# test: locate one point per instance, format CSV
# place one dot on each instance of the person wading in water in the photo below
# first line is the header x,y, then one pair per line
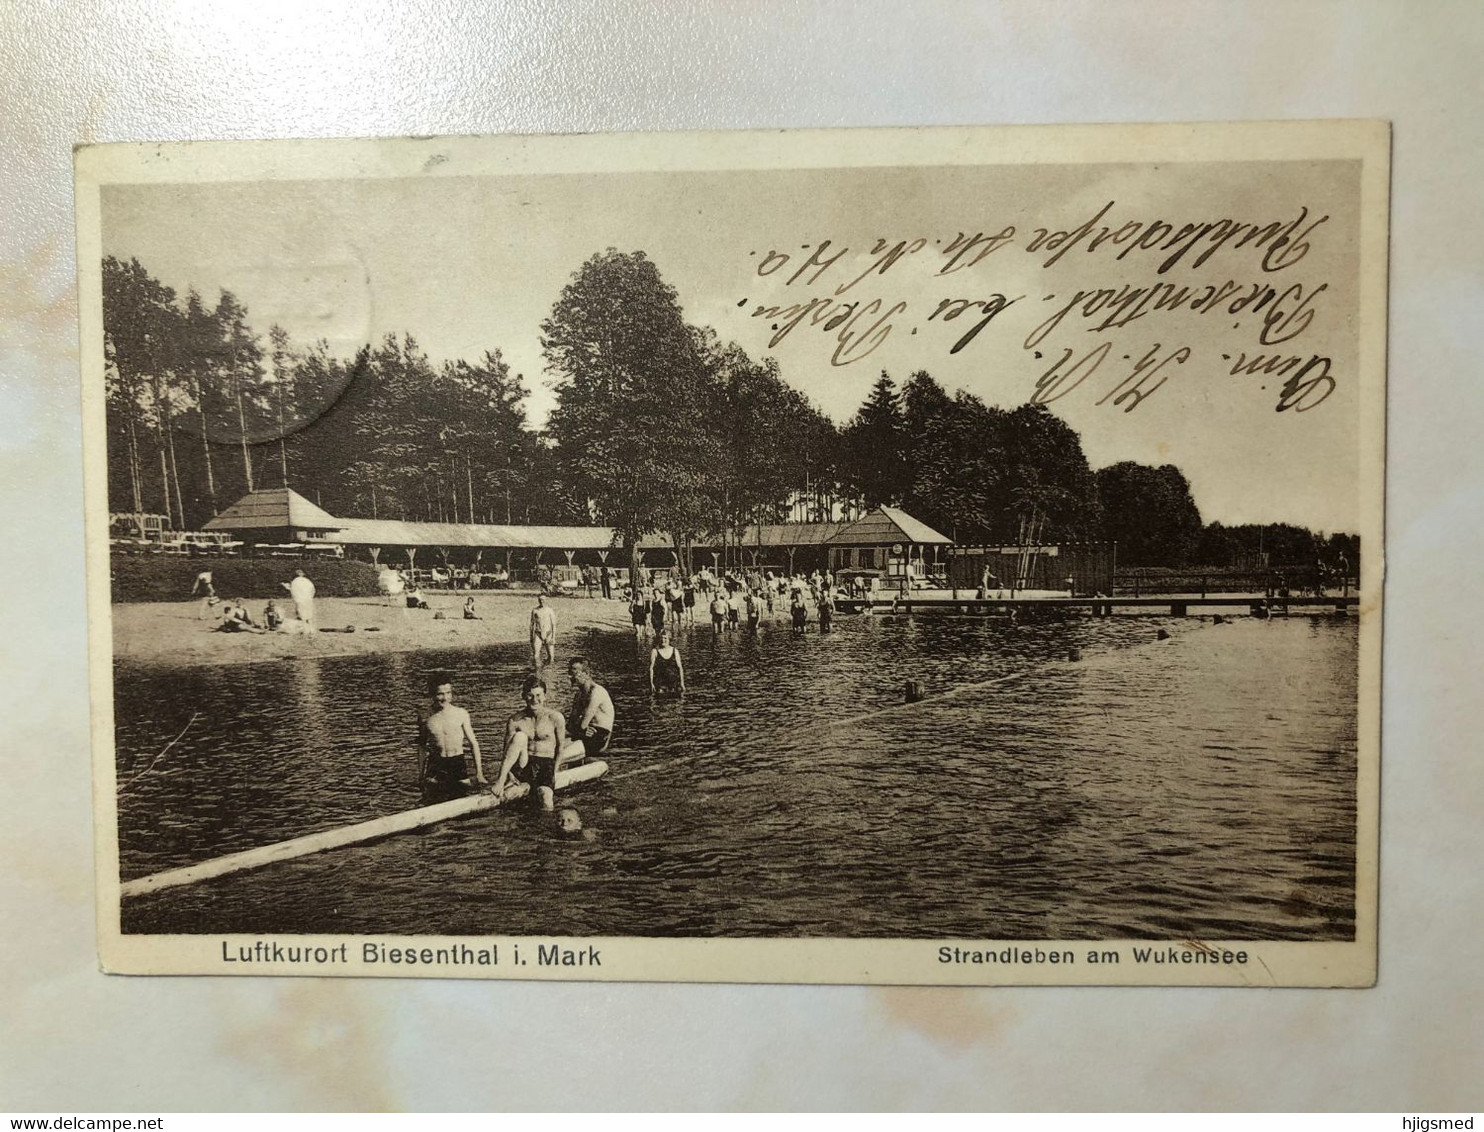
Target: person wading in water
x,y
442,734
666,672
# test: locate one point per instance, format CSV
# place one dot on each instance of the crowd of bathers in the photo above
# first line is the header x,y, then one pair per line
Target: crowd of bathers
x,y
733,599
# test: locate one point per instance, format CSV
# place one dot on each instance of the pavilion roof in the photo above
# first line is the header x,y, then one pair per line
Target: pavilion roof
x,y
274,508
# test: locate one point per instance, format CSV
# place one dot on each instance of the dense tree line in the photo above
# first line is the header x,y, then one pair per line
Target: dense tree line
x,y
658,426
202,410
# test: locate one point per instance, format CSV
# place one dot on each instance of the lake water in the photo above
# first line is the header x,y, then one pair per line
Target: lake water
x,y
1202,786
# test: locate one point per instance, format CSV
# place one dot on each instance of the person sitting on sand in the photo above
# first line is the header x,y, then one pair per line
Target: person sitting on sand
x,y
236,619
271,617
590,722
416,600
666,672
532,737
469,614
442,734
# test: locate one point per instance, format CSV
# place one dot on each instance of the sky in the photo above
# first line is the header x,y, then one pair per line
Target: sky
x,y
473,263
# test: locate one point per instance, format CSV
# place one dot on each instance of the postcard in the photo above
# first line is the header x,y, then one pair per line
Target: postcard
x,y
922,556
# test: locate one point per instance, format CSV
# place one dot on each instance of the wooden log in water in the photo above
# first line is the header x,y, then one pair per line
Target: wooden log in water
x,y
356,834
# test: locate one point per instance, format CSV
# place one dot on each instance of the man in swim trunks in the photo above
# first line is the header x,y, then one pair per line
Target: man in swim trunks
x,y
754,609
543,633
531,740
718,613
442,734
590,722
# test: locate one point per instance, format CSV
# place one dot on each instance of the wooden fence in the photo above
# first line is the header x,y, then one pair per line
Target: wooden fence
x,y
1082,567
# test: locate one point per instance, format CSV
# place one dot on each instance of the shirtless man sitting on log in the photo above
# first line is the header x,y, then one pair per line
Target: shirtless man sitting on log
x,y
591,717
532,738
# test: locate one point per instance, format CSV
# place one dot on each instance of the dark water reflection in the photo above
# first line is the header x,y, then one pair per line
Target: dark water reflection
x,y
1200,786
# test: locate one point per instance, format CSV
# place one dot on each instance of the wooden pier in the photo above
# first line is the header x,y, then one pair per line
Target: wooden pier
x,y
1167,605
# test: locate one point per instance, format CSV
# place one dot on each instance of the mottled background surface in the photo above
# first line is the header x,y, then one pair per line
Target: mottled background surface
x,y
79,72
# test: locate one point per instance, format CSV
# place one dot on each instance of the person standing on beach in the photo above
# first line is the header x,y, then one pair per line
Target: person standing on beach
x,y
543,633
606,586
301,589
532,737
207,590
442,734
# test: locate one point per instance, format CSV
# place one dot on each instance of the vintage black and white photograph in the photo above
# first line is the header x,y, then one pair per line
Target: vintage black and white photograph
x,y
919,556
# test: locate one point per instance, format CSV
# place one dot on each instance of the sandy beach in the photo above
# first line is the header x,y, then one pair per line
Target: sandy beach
x,y
170,633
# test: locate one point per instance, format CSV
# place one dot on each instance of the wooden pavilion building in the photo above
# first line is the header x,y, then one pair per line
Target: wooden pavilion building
x,y
887,540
